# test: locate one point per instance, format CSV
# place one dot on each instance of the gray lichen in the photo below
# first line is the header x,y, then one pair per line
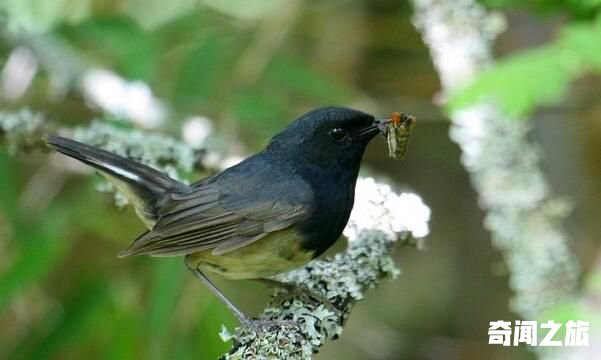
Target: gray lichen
x,y
525,220
155,150
22,129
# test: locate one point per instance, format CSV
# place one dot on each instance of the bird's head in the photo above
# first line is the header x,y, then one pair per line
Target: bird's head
x,y
327,136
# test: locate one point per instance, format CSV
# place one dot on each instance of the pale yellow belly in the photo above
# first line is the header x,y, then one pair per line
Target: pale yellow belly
x,y
274,254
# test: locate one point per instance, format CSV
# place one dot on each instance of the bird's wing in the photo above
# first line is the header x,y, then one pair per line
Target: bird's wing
x,y
209,217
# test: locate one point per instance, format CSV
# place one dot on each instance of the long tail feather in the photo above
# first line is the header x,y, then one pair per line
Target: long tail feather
x,y
141,184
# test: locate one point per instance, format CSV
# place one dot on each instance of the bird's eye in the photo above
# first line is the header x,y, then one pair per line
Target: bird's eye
x,y
338,134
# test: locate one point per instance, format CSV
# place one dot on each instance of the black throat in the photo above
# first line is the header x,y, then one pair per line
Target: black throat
x,y
334,192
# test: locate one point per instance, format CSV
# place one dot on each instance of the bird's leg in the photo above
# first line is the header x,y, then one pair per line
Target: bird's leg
x,y
255,324
300,291
204,279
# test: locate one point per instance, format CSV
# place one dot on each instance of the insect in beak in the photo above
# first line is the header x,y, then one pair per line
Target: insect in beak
x,y
397,130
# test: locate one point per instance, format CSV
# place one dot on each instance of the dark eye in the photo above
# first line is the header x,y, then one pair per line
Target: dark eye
x,y
338,134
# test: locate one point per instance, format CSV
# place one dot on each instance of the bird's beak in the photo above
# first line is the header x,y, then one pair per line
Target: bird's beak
x,y
378,126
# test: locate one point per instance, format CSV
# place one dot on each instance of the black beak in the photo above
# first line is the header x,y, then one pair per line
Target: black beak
x,y
378,126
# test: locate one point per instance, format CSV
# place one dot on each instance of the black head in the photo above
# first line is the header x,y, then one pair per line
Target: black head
x,y
327,136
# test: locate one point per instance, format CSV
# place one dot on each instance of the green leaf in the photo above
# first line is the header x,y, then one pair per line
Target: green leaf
x,y
536,77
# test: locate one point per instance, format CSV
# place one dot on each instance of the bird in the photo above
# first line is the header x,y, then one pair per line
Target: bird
x,y
271,213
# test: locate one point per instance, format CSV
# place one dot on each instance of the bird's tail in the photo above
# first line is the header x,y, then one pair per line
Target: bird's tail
x,y
141,184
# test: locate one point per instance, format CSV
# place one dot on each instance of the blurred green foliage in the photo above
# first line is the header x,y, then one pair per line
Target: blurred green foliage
x,y
189,57
522,82
108,42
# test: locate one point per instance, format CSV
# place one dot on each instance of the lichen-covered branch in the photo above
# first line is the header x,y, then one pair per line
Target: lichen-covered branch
x,y
375,229
524,218
22,130
342,280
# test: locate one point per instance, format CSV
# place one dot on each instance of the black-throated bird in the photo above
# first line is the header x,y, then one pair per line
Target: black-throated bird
x,y
273,212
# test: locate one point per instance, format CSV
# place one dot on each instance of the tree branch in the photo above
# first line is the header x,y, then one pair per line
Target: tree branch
x,y
342,279
525,220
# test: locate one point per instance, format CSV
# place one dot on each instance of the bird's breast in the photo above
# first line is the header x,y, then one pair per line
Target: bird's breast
x,y
276,253
332,207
